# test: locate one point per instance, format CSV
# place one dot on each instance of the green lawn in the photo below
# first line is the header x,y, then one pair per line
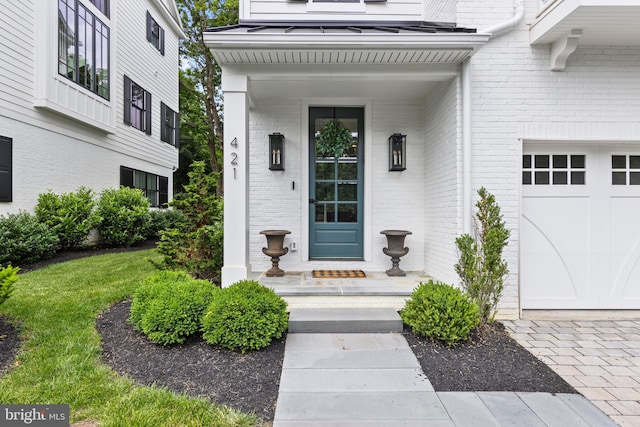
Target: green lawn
x,y
59,361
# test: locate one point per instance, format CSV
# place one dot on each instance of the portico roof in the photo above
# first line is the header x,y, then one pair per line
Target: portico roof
x,y
319,42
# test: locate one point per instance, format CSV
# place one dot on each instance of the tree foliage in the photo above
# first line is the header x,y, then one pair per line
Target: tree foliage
x,y
202,72
480,264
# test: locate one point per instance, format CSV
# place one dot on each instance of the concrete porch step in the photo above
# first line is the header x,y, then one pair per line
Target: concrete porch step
x,y
344,320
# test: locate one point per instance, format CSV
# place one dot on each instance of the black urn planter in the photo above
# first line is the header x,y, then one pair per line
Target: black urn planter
x,y
275,249
395,249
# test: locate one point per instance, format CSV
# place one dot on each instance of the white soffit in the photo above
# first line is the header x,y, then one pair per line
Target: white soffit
x,y
603,22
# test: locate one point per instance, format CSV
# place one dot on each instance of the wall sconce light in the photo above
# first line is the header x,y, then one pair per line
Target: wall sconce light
x,y
276,152
397,152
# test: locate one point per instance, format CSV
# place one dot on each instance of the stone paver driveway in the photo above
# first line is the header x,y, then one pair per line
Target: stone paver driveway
x,y
600,359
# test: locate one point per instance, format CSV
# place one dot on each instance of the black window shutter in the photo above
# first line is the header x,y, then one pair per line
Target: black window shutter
x,y
5,169
163,122
147,112
177,125
163,193
127,100
149,27
161,41
126,176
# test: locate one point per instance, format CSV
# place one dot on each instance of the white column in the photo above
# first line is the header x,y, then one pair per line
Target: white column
x,y
236,179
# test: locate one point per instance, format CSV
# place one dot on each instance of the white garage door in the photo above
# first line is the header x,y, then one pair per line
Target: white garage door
x,y
580,227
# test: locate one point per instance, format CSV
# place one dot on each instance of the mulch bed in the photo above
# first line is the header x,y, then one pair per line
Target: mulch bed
x,y
9,344
246,382
489,361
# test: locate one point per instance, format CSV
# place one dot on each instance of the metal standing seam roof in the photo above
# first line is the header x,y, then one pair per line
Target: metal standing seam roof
x,y
348,27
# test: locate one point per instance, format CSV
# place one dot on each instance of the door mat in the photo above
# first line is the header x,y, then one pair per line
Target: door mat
x,y
338,274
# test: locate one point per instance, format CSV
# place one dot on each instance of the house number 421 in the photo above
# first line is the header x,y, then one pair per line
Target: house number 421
x,y
234,156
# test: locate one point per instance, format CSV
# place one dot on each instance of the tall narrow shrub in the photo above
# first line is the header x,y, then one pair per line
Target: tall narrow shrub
x,y
480,266
195,244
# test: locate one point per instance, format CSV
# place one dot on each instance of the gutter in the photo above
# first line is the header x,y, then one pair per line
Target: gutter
x,y
467,196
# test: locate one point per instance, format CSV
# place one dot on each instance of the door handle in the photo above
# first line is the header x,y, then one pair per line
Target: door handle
x,y
312,200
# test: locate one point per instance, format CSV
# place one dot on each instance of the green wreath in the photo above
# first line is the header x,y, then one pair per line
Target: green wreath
x,y
334,139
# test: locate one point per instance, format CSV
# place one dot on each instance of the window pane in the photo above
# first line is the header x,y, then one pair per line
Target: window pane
x,y
348,212
526,161
139,180
348,192
325,191
634,162
347,170
559,178
526,178
325,170
577,161
325,212
542,178
619,178
560,161
577,178
618,162
542,162
634,178
152,182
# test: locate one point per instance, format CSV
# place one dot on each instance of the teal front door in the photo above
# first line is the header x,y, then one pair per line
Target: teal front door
x,y
336,188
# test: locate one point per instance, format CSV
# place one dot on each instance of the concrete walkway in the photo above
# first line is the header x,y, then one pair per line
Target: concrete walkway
x,y
600,359
375,380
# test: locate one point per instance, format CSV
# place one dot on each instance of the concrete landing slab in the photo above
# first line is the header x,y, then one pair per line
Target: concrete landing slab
x,y
345,320
359,406
353,380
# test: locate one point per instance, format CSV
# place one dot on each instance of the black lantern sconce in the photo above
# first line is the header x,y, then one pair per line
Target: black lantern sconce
x,y
276,152
397,152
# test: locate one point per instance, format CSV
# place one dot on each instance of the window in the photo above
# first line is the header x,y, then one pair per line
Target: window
x,y
625,170
5,169
137,106
155,187
83,46
155,34
169,125
556,169
102,5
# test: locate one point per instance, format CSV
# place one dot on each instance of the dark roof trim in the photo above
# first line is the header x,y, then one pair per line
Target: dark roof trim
x,y
355,26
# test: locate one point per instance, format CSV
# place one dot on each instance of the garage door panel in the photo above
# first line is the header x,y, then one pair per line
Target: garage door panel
x,y
624,253
556,252
580,239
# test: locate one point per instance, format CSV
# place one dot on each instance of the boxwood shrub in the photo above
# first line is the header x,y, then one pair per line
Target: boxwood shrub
x,y
168,306
442,312
24,240
122,216
245,316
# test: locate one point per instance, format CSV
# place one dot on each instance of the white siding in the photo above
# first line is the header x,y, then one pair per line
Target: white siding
x,y
55,148
278,10
440,10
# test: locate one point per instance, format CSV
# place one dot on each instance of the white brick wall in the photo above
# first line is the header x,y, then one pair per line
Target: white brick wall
x,y
516,97
442,184
397,200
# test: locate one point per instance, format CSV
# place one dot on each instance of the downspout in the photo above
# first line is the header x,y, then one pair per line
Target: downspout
x,y
510,24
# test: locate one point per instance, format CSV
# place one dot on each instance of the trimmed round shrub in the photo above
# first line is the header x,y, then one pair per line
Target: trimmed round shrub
x,y
245,316
122,216
442,312
168,306
69,215
23,239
